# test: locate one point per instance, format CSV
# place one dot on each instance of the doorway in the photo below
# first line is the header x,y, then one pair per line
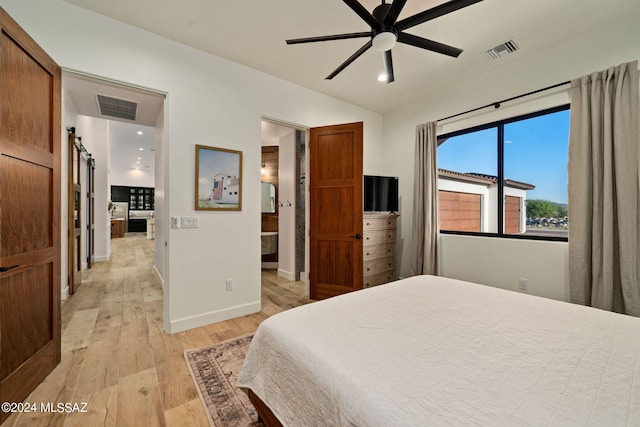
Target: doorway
x,y
283,217
101,111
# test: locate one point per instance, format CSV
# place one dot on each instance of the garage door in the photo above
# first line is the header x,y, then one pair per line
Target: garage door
x,y
459,211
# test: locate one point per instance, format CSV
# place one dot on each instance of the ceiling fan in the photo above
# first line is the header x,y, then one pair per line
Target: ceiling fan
x,y
386,30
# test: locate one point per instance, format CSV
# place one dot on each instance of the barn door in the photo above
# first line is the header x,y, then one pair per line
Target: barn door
x,y
335,178
75,193
91,214
29,213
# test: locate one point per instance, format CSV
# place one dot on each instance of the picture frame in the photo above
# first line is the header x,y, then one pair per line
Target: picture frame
x,y
218,183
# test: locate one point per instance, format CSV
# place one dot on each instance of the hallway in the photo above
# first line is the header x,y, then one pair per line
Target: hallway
x,y
115,355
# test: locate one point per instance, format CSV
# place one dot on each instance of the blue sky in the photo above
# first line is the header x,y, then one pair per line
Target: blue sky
x,y
536,152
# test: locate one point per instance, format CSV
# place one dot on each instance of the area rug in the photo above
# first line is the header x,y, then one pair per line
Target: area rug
x,y
215,371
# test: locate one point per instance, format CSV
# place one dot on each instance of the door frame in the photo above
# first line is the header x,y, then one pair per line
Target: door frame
x,y
304,276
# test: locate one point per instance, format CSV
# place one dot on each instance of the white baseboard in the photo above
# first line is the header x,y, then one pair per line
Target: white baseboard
x,y
101,258
64,293
287,274
204,319
159,276
303,276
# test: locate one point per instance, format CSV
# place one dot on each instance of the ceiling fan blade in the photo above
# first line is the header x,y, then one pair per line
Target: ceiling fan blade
x,y
352,58
434,12
362,12
329,38
388,65
427,44
394,11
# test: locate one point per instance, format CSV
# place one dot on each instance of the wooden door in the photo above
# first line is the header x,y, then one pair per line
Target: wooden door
x,y
29,213
335,179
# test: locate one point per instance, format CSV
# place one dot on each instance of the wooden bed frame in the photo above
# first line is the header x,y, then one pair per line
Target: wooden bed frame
x,y
264,413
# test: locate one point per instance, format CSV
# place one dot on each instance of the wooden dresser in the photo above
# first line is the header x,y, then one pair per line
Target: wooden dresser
x,y
379,246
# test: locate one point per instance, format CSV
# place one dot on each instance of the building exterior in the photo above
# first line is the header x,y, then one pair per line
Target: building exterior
x,y
468,202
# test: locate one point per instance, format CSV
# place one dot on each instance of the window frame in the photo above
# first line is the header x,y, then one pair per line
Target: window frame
x,y
499,125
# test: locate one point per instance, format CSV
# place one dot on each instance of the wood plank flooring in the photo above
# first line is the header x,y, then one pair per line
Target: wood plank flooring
x,y
116,356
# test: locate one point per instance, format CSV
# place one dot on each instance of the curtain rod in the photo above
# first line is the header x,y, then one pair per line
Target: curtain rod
x,y
497,104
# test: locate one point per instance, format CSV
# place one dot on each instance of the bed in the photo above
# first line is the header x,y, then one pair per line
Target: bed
x,y
428,351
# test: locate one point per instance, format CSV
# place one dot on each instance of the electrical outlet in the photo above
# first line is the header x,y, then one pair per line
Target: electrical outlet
x,y
175,222
523,284
229,284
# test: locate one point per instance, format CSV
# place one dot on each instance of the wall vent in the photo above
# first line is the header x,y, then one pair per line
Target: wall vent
x,y
503,49
117,108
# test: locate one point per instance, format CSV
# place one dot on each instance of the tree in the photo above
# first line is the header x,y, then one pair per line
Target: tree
x,y
543,209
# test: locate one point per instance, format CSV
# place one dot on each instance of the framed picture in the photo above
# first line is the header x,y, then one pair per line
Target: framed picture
x,y
218,179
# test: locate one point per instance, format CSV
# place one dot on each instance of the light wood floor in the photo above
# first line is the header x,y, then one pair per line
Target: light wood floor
x,y
115,355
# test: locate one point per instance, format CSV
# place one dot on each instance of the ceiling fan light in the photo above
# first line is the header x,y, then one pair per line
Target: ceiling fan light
x,y
383,77
384,41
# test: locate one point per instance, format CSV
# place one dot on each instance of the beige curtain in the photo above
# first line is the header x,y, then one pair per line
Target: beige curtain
x,y
424,259
604,249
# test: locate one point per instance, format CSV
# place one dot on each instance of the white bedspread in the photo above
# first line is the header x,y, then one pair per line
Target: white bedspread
x,y
430,351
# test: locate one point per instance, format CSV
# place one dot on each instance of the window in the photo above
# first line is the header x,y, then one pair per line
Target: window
x,y
507,178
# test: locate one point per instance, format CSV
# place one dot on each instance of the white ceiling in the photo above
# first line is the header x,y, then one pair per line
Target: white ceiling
x,y
253,33
126,142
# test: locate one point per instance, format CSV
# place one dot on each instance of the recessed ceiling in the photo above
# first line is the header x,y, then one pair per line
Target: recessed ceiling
x,y
83,92
253,33
125,153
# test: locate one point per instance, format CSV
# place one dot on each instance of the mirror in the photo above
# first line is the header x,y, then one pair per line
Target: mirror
x,y
268,197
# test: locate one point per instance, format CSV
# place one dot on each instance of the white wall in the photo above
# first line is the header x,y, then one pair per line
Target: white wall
x,y
287,186
95,138
210,101
132,177
159,198
500,262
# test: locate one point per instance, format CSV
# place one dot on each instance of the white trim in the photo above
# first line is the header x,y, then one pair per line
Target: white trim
x,y
159,276
101,258
287,274
285,123
64,293
191,322
82,74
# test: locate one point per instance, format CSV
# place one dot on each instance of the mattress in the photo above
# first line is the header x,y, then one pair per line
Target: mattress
x,y
430,351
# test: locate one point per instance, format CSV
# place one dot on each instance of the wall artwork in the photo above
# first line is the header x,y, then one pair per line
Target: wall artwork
x,y
218,179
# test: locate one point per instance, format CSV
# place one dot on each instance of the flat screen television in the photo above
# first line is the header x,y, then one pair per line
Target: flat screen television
x,y
380,193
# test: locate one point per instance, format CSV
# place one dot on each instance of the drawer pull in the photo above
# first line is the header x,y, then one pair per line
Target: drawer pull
x,y
368,254
368,269
368,223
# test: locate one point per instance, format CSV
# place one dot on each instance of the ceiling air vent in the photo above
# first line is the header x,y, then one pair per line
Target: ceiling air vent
x,y
503,49
118,108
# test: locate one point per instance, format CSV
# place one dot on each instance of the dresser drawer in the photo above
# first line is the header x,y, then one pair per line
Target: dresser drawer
x,y
379,223
378,265
379,279
379,236
378,251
